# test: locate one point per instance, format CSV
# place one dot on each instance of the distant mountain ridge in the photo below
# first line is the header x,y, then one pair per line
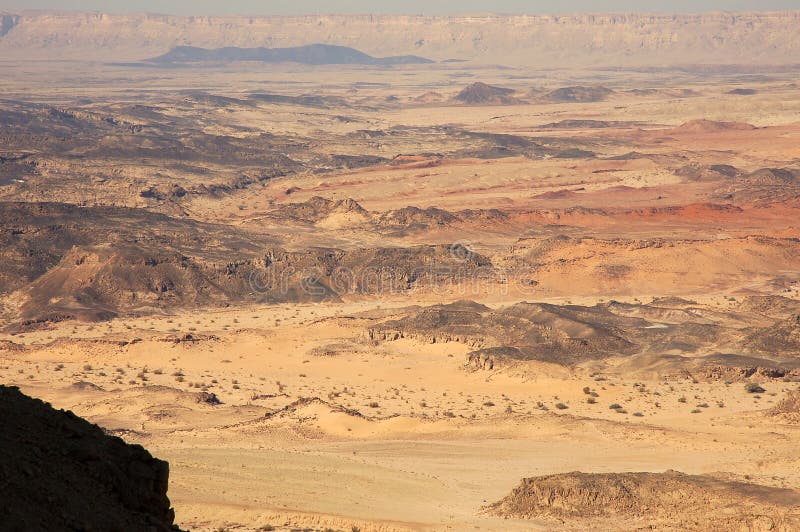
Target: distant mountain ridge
x,y
605,40
313,54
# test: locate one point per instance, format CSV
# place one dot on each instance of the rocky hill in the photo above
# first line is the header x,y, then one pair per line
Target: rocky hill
x,y
94,263
59,472
579,94
482,94
572,334
533,40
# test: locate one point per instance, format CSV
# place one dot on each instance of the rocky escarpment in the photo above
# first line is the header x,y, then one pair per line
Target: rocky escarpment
x,y
95,283
59,472
533,40
68,262
664,501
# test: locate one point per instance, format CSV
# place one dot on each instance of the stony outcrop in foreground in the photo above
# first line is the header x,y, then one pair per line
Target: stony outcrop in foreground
x,y
60,472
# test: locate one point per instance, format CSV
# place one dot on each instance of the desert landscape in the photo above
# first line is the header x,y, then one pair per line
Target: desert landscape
x,y
389,273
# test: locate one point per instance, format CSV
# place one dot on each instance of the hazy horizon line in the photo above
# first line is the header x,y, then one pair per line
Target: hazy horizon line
x,y
395,13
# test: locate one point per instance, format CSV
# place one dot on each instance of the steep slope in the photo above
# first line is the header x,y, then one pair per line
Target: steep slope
x,y
59,472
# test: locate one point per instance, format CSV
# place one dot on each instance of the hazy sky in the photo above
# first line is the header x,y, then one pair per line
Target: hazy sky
x,y
281,7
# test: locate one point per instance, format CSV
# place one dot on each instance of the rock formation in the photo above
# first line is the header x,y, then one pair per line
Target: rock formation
x,y
59,472
669,500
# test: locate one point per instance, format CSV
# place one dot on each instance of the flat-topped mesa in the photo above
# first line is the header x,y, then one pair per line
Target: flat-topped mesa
x,y
313,54
526,40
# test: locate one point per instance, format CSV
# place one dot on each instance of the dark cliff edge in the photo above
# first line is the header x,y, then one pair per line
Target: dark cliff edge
x,y
60,472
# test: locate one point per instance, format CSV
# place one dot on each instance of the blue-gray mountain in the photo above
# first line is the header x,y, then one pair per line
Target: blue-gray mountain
x,y
314,54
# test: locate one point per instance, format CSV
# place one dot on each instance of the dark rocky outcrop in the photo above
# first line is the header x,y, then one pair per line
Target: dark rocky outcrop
x,y
482,94
782,337
579,94
316,209
60,472
713,172
743,92
526,331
